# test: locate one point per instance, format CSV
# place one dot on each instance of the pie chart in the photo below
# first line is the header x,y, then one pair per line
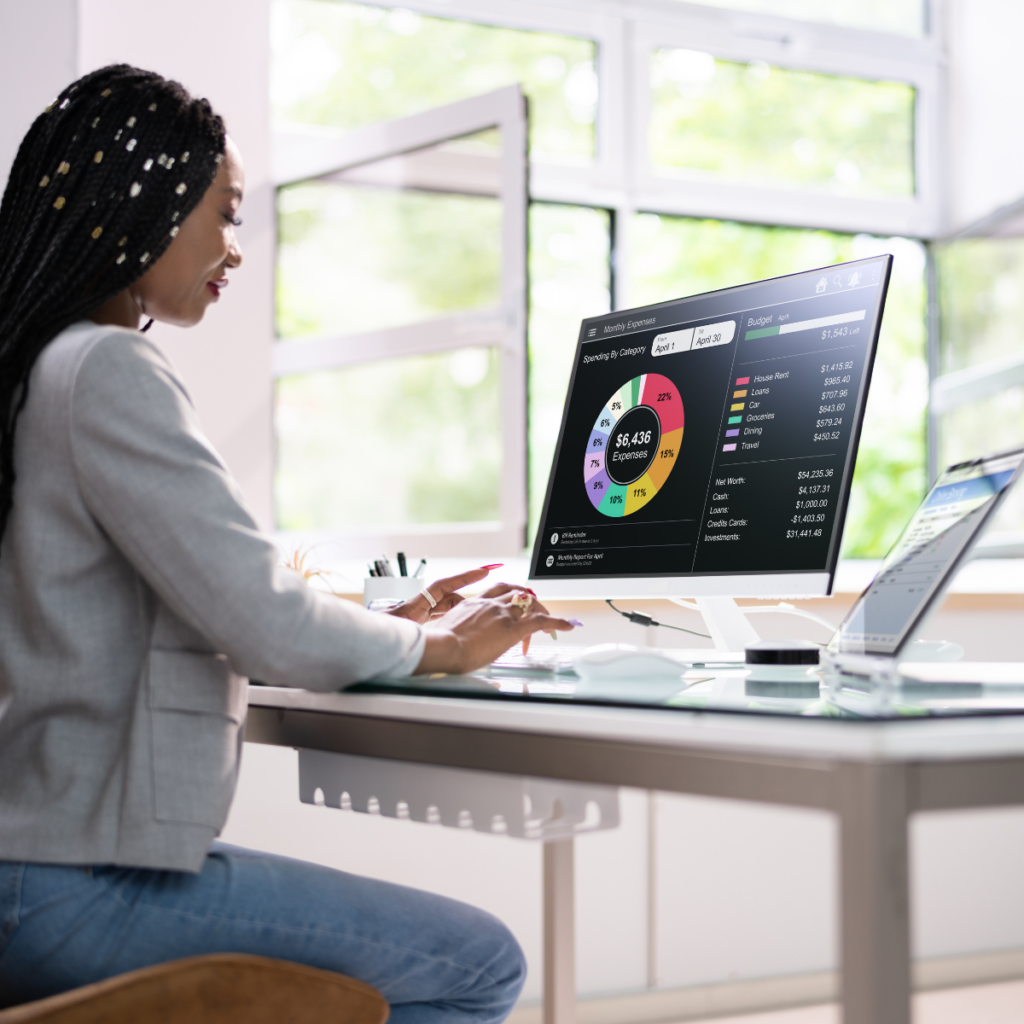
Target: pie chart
x,y
633,445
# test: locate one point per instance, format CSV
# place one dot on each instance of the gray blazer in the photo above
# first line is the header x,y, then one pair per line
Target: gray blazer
x,y
136,596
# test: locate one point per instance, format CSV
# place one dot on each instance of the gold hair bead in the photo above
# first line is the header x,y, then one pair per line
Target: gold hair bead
x,y
64,104
149,163
218,157
106,92
96,232
174,231
170,162
95,121
123,240
162,159
53,103
44,181
184,157
152,107
59,203
98,158
144,257
131,144
118,135
135,189
130,122
181,189
64,167
120,259
175,215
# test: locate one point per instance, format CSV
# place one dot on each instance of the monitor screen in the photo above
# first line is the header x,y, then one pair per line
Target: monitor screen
x,y
928,552
713,438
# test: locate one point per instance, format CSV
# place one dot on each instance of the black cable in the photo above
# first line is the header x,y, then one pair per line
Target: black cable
x,y
645,620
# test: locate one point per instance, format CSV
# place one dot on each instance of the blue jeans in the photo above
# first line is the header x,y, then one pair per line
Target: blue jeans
x,y
434,959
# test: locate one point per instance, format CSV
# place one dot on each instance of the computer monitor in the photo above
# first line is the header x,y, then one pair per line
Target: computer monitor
x,y
708,443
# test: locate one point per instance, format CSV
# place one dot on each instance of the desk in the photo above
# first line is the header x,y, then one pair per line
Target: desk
x,y
872,772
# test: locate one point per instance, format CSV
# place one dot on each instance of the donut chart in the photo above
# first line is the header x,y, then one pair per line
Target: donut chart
x,y
633,445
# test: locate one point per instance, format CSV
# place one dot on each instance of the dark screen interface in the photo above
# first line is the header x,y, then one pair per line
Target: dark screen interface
x,y
714,434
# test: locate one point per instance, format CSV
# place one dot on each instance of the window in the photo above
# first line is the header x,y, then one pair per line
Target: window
x,y
752,122
672,150
977,388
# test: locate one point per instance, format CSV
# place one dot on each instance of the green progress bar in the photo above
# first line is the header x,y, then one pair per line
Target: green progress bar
x,y
735,419
805,325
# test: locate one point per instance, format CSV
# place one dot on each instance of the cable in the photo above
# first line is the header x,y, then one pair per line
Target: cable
x,y
645,620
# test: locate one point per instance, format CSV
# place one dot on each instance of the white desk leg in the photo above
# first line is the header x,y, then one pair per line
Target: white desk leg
x,y
875,903
559,932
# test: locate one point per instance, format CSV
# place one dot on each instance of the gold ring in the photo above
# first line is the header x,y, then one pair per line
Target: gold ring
x,y
522,600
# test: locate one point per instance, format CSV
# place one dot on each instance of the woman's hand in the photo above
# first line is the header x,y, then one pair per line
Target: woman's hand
x,y
444,594
479,629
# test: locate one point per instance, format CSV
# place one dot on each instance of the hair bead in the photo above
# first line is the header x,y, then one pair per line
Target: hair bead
x,y
50,107
149,163
51,277
135,189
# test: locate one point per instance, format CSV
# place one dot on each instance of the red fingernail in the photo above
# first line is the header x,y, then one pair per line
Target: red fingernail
x,y
497,565
529,591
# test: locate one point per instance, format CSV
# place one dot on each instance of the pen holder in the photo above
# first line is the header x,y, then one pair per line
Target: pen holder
x,y
393,588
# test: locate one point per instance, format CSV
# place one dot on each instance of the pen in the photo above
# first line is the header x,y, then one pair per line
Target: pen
x,y
403,569
373,571
420,568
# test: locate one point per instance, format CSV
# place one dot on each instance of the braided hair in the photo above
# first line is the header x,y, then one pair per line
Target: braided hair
x,y
98,190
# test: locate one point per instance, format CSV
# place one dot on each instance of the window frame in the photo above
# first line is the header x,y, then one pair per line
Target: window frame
x,y
299,158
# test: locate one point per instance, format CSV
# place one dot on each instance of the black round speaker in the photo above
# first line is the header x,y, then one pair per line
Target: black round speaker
x,y
783,652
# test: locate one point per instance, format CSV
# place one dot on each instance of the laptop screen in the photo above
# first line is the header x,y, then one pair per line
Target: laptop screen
x,y
929,551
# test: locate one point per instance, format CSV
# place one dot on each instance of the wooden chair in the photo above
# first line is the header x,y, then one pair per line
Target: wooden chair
x,y
222,988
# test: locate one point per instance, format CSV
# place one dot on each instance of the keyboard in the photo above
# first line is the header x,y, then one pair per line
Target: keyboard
x,y
547,658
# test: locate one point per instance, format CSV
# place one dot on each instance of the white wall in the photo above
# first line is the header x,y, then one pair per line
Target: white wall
x,y
221,51
985,144
38,57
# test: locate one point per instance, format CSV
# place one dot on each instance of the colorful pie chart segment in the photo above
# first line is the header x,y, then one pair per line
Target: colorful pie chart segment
x,y
633,445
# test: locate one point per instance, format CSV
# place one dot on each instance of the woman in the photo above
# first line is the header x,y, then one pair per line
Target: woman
x,y
137,594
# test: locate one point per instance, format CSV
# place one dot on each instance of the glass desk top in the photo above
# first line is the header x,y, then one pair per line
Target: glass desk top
x,y
868,690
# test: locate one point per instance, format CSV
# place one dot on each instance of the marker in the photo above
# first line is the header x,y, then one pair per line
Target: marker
x,y
403,569
373,572
420,569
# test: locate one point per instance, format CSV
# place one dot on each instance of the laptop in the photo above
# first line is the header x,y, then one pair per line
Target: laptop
x,y
915,574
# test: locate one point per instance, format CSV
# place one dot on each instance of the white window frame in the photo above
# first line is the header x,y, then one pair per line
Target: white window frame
x,y
304,156
622,180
